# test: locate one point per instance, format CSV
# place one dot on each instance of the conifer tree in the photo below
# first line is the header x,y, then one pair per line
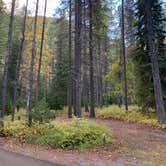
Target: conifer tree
x,y
148,57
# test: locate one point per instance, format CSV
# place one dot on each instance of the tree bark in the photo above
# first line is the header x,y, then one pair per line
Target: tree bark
x,y
99,73
124,58
78,6
31,72
70,63
92,110
41,54
85,79
7,60
19,60
154,64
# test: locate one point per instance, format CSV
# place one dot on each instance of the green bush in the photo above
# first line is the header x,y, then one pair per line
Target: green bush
x,y
113,112
54,102
20,104
12,129
41,112
75,134
8,107
133,115
21,115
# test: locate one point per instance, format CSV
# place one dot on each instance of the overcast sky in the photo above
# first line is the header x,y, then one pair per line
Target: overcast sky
x,y
52,4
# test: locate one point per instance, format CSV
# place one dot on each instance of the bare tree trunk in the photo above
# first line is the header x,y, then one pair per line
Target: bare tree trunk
x,y
154,63
124,59
85,79
31,74
92,110
99,74
41,54
105,68
70,63
19,61
78,6
7,60
96,64
120,80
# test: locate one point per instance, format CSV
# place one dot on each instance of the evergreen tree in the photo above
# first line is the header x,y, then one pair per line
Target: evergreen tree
x,y
142,59
58,35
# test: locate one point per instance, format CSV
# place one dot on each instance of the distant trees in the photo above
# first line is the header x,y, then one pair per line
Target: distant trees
x,y
80,60
41,54
7,60
19,60
58,43
31,71
87,25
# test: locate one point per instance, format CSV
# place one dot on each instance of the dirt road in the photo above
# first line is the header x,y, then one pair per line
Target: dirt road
x,y
13,159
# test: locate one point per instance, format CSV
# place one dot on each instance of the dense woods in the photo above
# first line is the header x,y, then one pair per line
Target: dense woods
x,y
92,75
91,54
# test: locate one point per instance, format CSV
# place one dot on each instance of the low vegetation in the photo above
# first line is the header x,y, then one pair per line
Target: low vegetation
x,y
75,134
133,115
41,112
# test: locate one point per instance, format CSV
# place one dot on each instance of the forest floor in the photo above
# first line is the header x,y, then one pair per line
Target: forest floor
x,y
134,145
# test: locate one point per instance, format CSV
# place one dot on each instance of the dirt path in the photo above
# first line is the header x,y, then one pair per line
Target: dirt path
x,y
139,144
134,145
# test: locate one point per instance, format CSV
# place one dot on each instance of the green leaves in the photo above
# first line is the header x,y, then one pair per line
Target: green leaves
x,y
41,112
75,134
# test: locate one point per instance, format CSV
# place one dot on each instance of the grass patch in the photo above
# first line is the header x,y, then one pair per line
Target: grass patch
x,y
21,116
133,115
75,134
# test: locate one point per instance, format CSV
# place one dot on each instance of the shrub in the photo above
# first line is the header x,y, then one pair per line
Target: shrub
x,y
12,129
133,115
113,112
8,107
54,102
20,104
41,112
75,134
21,115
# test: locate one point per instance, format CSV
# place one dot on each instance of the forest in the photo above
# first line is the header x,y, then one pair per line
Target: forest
x,y
84,82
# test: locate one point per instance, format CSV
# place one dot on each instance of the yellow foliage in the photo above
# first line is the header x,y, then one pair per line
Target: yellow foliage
x,y
47,55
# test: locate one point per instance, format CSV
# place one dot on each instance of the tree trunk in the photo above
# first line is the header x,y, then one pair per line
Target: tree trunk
x,y
99,74
92,110
85,79
41,54
124,58
154,64
31,73
70,63
7,60
19,61
78,6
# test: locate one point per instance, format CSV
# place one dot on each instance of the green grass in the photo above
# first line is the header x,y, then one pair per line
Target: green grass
x,y
75,134
22,115
133,115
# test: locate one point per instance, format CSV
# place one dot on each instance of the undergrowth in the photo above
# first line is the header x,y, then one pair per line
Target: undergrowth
x,y
134,114
75,134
